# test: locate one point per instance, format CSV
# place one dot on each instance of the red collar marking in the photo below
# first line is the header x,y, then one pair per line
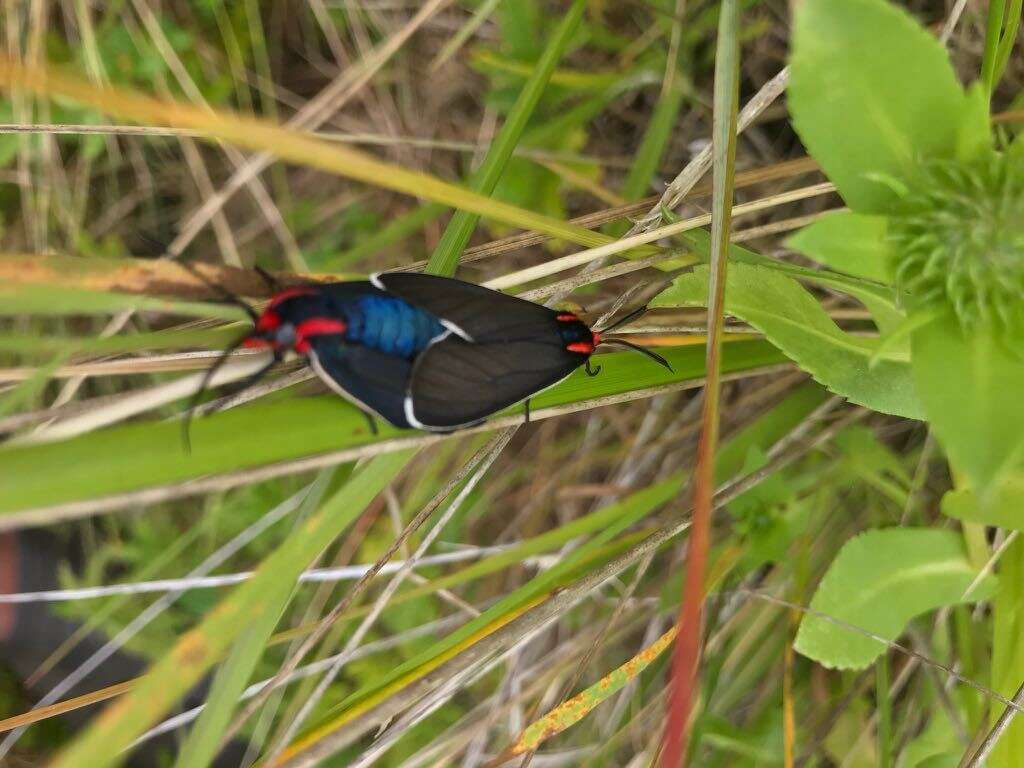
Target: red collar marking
x,y
268,321
566,317
288,293
315,326
586,347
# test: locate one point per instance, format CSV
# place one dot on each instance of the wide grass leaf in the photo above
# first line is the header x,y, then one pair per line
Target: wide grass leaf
x,y
151,454
879,582
871,93
792,319
55,300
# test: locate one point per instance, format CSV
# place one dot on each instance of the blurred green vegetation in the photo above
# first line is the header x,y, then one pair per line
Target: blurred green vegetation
x,y
626,107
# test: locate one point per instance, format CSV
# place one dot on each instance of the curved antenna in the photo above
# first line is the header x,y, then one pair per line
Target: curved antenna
x,y
642,350
221,291
626,318
268,279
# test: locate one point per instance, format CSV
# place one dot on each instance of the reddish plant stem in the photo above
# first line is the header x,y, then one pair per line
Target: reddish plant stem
x,y
686,654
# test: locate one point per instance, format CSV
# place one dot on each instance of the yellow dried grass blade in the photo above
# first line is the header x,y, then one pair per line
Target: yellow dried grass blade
x,y
570,712
293,146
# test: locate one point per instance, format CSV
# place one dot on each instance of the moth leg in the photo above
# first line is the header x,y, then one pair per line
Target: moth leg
x,y
372,422
526,411
592,370
253,378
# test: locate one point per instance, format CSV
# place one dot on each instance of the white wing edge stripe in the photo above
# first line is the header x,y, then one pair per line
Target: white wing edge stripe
x,y
314,362
410,413
457,330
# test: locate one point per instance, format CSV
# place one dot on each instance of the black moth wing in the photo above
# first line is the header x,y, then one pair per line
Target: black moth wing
x,y
471,311
372,379
456,383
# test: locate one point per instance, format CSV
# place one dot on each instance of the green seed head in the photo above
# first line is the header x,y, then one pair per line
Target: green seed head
x,y
959,241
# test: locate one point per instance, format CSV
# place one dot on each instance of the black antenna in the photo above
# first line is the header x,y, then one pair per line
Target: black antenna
x,y
221,291
626,318
271,282
642,350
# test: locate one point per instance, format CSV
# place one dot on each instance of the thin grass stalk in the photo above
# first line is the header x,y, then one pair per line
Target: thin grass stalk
x,y
685,658
494,449
212,562
445,257
883,701
537,613
993,31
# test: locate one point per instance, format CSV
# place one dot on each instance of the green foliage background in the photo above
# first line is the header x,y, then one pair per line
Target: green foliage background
x,y
871,461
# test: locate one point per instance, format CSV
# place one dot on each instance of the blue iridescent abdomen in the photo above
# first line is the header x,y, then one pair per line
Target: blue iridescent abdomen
x,y
390,325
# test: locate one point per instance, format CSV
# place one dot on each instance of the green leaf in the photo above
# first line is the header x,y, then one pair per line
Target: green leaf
x,y
974,130
879,299
793,320
1004,506
879,582
871,93
969,387
848,242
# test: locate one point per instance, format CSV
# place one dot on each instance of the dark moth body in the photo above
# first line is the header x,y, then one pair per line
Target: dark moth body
x,y
423,351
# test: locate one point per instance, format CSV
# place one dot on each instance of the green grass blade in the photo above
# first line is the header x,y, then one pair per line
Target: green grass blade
x,y
100,745
445,257
607,525
55,300
234,674
996,10
46,346
151,455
